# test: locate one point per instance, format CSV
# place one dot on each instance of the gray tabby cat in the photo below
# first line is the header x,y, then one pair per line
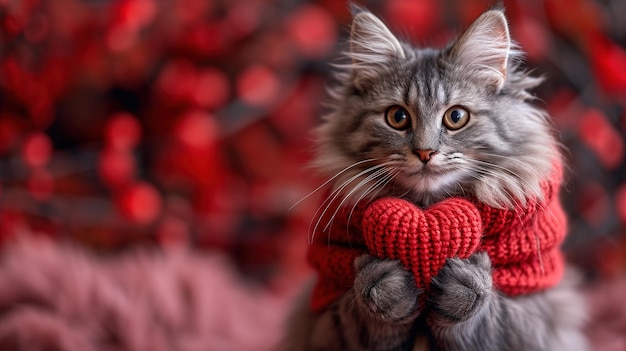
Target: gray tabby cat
x,y
427,124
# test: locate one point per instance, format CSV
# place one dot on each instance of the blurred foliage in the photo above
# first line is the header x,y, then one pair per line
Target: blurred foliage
x,y
177,122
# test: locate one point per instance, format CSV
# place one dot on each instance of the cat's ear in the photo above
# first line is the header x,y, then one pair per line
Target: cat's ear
x,y
372,45
485,48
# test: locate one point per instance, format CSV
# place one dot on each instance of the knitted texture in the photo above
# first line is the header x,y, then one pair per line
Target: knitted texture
x,y
422,239
522,242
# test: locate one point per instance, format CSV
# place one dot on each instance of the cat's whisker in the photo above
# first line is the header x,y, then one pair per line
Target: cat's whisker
x,y
493,166
461,187
488,169
358,186
311,234
488,182
500,172
541,205
402,196
380,183
328,200
491,172
530,169
333,196
378,186
524,164
475,172
330,180
369,178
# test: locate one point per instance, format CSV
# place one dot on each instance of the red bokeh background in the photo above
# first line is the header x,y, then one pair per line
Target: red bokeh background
x,y
167,123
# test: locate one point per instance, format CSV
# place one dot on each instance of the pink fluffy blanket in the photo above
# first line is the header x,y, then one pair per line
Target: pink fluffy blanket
x,y
54,297
57,297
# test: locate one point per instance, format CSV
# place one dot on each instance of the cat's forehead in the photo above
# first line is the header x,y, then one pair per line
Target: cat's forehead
x,y
419,80
426,81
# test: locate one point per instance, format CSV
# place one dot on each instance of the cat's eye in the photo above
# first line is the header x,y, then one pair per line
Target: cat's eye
x,y
398,118
456,118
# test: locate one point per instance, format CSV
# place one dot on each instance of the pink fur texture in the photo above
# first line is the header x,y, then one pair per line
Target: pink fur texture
x,y
54,297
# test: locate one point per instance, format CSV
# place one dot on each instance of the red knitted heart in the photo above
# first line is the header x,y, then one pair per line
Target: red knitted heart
x,y
422,239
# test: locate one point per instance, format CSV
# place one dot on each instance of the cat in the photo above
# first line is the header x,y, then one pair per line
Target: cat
x,y
426,124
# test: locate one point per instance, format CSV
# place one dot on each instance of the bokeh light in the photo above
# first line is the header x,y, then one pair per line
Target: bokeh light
x,y
188,123
140,203
37,149
257,85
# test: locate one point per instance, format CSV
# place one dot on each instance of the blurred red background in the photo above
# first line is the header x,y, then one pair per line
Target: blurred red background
x,y
127,123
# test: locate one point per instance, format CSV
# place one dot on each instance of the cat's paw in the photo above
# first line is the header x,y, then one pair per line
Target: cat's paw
x,y
461,288
386,290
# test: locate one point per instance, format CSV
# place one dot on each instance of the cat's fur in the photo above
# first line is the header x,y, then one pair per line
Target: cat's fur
x,y
503,153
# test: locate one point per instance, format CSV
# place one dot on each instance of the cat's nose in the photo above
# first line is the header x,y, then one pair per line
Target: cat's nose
x,y
425,155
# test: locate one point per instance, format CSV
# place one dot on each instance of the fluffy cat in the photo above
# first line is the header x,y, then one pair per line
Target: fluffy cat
x,y
425,125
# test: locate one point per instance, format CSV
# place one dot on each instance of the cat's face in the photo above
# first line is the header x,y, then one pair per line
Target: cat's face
x,y
427,124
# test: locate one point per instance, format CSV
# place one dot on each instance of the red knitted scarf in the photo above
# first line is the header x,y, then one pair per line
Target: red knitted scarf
x,y
523,242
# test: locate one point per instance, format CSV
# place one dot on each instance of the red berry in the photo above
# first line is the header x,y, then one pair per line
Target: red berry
x,y
257,85
197,130
140,203
121,38
178,80
122,131
212,89
416,18
244,17
608,60
313,30
116,167
601,137
37,149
